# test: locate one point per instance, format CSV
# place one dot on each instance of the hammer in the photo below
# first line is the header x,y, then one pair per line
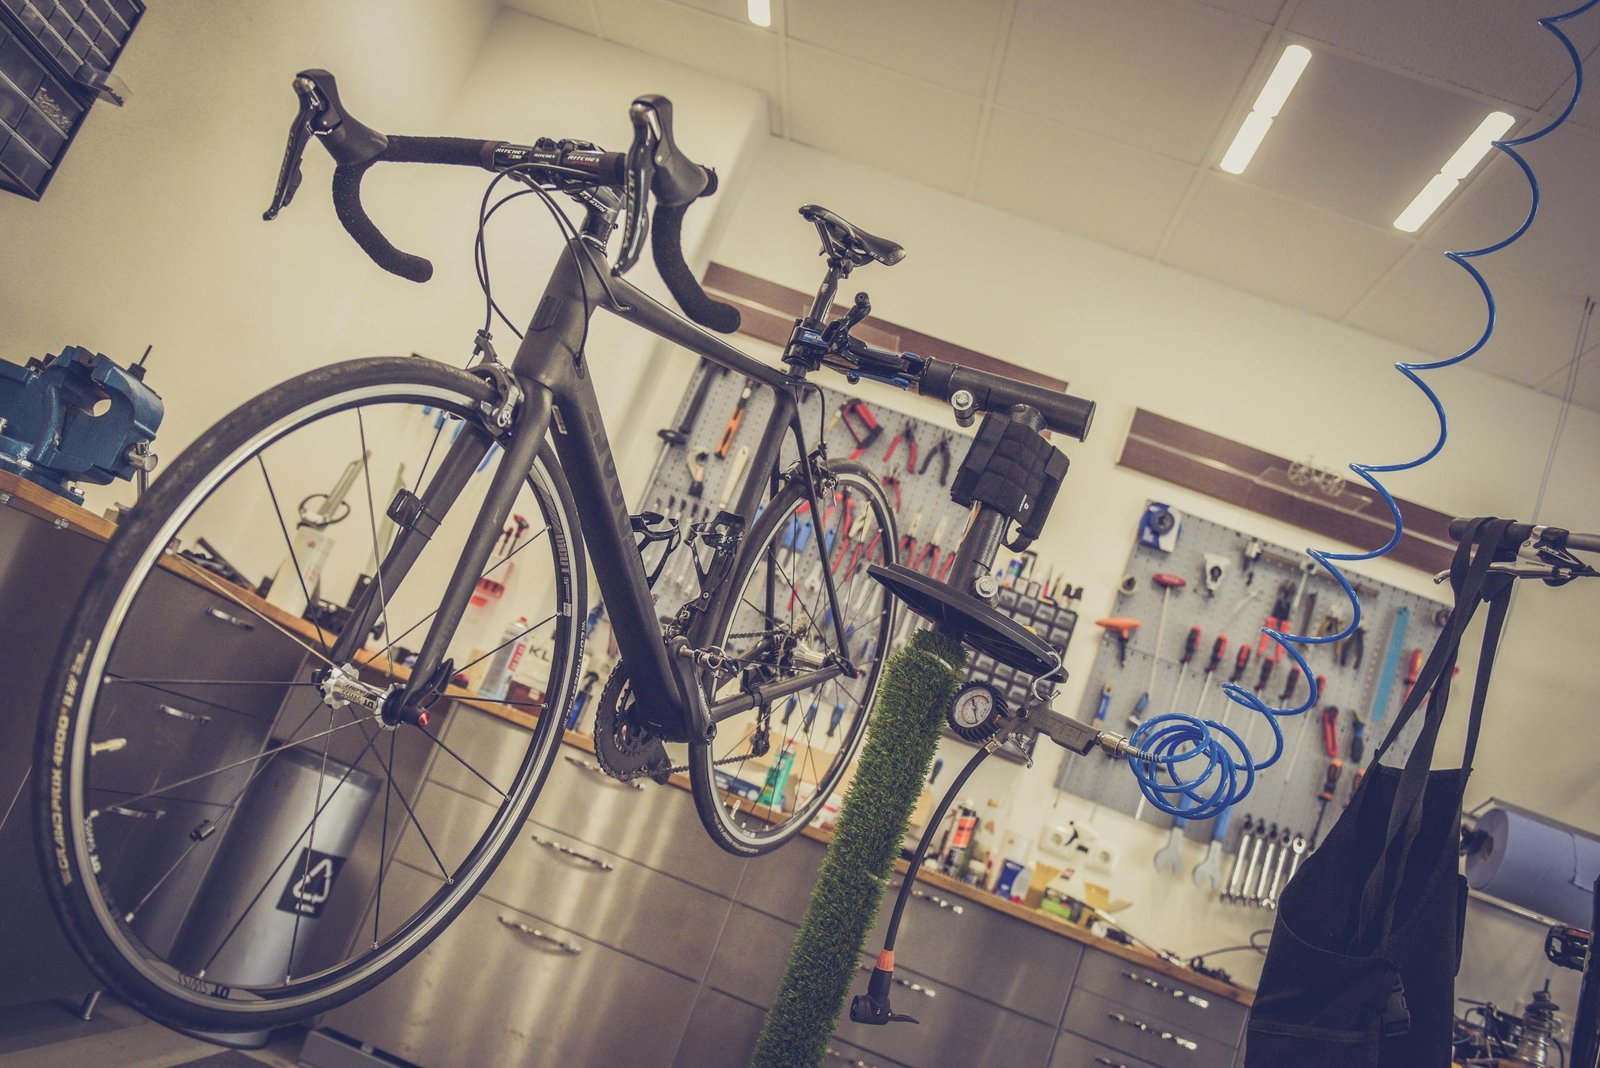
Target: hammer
x,y
1123,628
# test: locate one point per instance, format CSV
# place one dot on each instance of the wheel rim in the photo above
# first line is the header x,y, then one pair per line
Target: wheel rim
x,y
392,938
822,747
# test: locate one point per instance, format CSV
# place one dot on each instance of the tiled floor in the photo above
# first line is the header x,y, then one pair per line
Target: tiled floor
x,y
51,1036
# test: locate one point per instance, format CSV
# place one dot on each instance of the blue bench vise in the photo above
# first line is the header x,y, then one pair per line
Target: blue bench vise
x,y
76,417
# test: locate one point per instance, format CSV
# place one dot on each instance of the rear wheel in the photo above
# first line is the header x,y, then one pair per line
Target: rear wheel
x,y
770,769
215,820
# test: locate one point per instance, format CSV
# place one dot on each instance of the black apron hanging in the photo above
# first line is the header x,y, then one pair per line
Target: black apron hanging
x,y
1365,946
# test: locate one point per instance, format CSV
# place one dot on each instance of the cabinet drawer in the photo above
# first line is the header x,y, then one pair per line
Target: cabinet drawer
x,y
1075,1052
751,954
780,882
581,887
488,992
955,1029
1113,1022
149,738
981,951
1145,990
722,1033
655,825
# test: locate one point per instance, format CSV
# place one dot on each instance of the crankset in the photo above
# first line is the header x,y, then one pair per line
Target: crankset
x,y
624,749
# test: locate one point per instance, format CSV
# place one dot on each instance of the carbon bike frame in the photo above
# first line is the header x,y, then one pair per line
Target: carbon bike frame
x,y
558,390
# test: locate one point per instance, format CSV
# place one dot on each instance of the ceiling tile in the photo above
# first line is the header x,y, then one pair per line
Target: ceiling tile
x,y
1430,304
737,51
1586,392
577,14
1263,10
1079,182
949,42
1489,46
1271,246
880,118
1563,246
738,10
1361,140
1160,74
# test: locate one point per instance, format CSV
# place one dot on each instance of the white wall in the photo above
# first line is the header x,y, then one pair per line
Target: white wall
x,y
1128,332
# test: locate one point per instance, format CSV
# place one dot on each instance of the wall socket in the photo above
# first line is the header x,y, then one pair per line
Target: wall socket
x,y
1071,843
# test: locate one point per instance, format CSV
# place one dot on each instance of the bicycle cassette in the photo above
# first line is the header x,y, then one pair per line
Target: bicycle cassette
x,y
624,749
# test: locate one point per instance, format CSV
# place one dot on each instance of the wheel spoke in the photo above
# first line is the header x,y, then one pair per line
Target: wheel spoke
x,y
226,590
509,641
154,685
377,555
383,837
311,845
457,757
288,542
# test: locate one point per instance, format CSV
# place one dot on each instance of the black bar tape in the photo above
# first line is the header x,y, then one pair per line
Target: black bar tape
x,y
354,218
459,151
666,245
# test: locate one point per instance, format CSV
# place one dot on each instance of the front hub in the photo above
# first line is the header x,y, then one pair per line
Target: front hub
x,y
342,686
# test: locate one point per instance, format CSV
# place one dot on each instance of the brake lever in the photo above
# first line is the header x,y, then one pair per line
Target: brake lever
x,y
300,133
641,172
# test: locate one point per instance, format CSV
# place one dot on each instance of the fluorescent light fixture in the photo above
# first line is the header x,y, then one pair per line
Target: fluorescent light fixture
x,y
760,12
1270,101
1457,167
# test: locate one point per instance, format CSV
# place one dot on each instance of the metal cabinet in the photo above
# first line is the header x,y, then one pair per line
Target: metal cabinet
x,y
1144,1034
1144,990
502,986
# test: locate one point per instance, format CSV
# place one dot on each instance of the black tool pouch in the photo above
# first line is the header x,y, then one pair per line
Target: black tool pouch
x,y
1013,468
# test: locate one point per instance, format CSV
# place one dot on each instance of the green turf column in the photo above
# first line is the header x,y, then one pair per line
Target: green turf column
x,y
917,686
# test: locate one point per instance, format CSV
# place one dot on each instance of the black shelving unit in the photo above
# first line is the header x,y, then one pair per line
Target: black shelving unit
x,y
52,55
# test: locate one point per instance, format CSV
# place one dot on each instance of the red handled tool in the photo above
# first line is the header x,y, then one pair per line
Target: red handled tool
x,y
1123,628
908,434
862,424
1190,645
1330,786
1218,648
735,420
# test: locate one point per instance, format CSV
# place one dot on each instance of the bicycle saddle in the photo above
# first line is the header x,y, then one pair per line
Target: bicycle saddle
x,y
843,241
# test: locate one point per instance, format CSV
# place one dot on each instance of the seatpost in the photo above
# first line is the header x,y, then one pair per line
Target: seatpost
x,y
973,571
826,291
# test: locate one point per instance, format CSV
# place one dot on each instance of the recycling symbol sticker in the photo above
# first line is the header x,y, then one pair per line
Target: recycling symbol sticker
x,y
310,883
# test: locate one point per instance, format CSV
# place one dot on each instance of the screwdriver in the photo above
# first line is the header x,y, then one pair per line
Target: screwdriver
x,y
1218,647
1358,749
1190,644
1329,743
1240,662
1329,786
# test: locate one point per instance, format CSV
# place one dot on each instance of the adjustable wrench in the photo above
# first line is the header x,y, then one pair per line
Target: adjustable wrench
x,y
1238,861
1271,898
1269,850
1209,870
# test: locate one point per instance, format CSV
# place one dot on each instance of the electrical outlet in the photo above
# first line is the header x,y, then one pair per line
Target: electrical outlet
x,y
1061,841
1100,858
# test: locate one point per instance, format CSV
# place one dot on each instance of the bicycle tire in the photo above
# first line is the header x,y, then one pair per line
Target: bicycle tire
x,y
711,802
67,856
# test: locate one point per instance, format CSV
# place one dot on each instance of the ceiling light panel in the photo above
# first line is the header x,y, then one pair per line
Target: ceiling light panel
x,y
1361,140
1461,163
1274,94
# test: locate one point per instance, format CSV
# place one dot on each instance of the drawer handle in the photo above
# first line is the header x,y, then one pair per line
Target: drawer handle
x,y
854,1062
137,813
178,713
918,988
567,851
1165,1036
935,899
110,745
1182,995
595,769
1108,1063
534,932
232,620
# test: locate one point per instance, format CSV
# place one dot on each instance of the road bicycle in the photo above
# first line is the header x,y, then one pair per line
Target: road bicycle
x,y
133,821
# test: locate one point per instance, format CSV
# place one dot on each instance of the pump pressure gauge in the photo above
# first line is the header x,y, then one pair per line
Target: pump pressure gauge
x,y
977,712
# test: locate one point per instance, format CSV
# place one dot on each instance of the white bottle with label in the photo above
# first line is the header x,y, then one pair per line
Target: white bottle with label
x,y
503,665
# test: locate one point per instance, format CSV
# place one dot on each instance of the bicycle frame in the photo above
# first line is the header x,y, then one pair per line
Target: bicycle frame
x,y
558,390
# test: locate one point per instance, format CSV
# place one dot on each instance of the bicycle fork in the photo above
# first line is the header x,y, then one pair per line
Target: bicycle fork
x,y
417,518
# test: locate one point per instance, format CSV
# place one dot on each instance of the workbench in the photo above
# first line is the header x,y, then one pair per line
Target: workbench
x,y
679,945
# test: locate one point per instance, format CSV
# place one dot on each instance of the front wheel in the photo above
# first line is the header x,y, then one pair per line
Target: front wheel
x,y
770,770
215,820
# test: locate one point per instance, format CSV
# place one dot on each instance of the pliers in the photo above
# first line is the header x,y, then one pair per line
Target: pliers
x,y
1353,648
942,451
908,434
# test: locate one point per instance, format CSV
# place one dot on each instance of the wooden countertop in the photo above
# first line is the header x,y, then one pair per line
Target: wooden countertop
x,y
35,500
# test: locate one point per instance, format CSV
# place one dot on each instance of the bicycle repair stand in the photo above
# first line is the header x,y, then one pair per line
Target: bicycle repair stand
x,y
1011,474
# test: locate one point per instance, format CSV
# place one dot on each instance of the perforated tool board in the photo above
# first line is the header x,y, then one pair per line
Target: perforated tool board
x,y
922,505
1238,609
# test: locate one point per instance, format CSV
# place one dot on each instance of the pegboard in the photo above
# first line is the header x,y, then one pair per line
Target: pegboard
x,y
920,495
1237,607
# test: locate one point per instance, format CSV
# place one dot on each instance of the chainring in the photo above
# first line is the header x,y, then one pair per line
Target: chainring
x,y
623,748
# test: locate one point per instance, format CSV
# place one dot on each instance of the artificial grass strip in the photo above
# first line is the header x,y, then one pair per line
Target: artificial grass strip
x,y
918,683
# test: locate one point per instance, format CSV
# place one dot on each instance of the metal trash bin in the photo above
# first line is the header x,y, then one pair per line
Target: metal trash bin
x,y
268,871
